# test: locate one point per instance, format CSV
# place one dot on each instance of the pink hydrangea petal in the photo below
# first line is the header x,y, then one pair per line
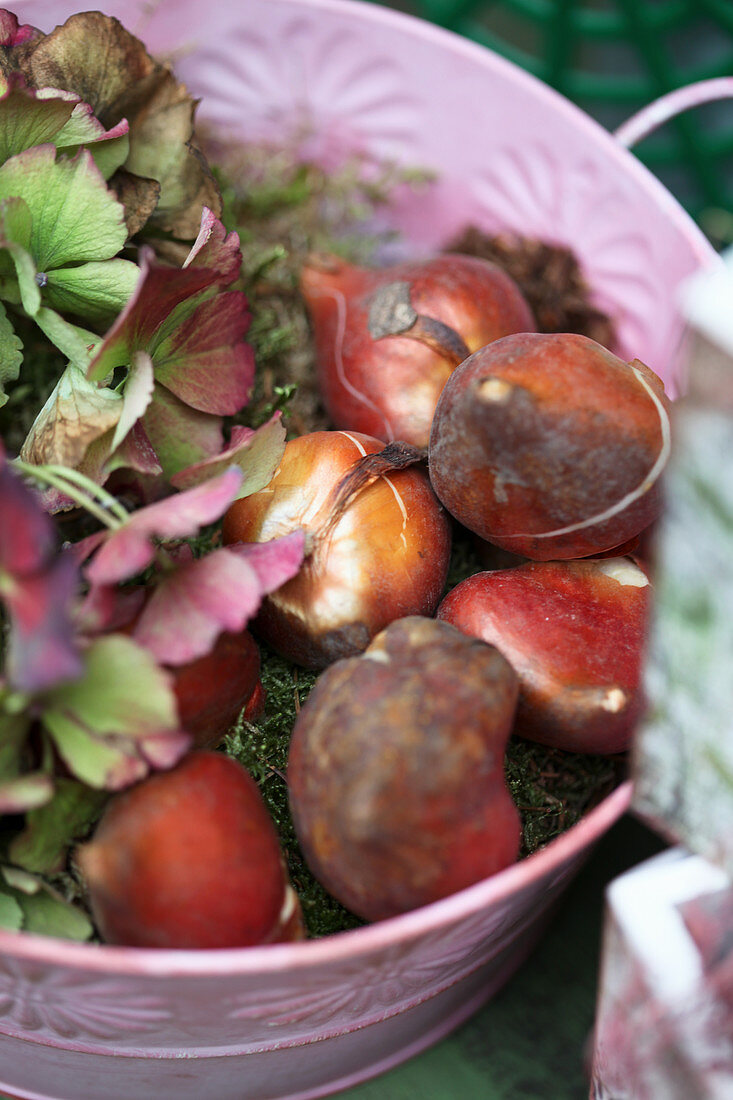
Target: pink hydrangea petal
x,y
83,549
274,562
126,770
192,606
12,33
129,549
107,607
216,249
27,535
241,434
166,749
159,290
137,395
184,513
124,554
42,650
257,453
205,362
179,434
136,452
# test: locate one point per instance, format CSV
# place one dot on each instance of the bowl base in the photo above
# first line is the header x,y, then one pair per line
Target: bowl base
x,y
37,1071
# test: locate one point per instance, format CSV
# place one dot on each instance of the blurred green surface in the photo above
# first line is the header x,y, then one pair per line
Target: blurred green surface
x,y
613,57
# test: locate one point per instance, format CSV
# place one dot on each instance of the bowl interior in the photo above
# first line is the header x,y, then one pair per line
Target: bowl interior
x,y
508,154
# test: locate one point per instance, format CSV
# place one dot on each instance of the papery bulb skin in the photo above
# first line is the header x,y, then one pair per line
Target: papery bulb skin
x,y
575,633
550,446
381,557
388,339
190,858
396,770
213,690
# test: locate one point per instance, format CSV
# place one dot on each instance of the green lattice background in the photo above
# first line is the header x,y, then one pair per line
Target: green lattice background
x,y
612,57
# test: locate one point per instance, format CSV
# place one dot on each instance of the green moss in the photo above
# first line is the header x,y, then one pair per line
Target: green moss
x,y
470,554
262,747
553,789
465,559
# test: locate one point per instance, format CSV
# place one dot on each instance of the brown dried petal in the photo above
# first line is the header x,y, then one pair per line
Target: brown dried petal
x,y
95,57
16,42
75,415
549,276
161,148
138,195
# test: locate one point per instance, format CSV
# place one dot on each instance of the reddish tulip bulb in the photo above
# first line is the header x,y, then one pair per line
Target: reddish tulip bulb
x,y
387,340
213,690
377,544
189,858
396,769
548,445
574,631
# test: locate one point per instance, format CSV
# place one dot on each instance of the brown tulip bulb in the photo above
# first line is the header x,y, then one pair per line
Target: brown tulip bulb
x,y
396,769
550,446
377,543
575,633
388,339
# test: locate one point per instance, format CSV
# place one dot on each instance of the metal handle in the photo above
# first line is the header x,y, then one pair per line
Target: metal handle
x,y
661,110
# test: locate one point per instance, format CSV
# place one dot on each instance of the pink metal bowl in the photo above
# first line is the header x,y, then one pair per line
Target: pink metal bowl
x,y
78,1022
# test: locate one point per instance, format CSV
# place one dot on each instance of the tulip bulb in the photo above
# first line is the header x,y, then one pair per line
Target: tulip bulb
x,y
575,633
396,769
550,446
377,543
190,858
388,339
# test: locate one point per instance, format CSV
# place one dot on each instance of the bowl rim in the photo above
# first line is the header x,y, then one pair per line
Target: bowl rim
x,y
339,946
485,57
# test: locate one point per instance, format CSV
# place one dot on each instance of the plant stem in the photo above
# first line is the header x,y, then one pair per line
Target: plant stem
x,y
52,475
105,498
